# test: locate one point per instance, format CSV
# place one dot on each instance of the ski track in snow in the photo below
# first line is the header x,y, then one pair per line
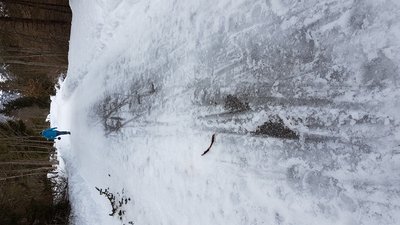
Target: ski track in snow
x,y
147,87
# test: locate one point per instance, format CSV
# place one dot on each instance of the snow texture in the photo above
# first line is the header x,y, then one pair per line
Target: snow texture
x,y
5,96
150,81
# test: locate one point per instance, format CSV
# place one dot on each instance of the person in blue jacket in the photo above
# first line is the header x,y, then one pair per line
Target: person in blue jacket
x,y
52,133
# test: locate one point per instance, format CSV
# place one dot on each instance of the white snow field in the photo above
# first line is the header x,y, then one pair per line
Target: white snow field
x,y
303,97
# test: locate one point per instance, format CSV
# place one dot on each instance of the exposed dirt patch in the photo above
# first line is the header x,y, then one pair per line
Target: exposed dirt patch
x,y
276,128
233,104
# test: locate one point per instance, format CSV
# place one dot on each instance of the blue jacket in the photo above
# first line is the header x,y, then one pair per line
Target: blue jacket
x,y
50,134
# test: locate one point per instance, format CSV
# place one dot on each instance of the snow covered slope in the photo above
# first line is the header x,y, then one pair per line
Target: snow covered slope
x,y
303,97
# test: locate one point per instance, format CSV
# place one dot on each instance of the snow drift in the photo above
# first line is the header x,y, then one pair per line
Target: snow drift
x,y
303,97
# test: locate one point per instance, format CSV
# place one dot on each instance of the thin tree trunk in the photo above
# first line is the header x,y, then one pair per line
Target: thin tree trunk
x,y
24,140
24,175
32,56
18,62
29,163
28,146
32,21
31,152
29,50
31,170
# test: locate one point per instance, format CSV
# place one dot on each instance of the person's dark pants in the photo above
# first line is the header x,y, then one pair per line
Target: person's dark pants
x,y
62,133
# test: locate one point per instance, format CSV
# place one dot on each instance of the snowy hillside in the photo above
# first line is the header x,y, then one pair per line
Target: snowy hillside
x,y
303,97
